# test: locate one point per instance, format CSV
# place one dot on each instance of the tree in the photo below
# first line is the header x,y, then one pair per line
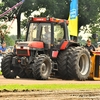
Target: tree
x,y
9,41
88,10
27,8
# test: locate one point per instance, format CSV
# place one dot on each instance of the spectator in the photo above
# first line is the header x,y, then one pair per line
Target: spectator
x,y
90,47
9,50
3,48
14,50
2,36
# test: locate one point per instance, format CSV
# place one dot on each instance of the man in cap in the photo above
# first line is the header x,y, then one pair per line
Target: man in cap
x,y
90,47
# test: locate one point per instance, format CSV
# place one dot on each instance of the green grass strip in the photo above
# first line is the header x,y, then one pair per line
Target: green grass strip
x,y
53,87
0,72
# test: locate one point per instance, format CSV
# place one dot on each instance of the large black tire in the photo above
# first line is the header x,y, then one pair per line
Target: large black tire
x,y
62,63
79,64
22,73
29,73
8,70
42,67
25,73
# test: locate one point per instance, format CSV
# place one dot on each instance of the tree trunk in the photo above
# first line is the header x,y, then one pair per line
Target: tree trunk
x,y
18,26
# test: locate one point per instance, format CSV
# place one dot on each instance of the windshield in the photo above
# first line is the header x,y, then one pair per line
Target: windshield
x,y
39,32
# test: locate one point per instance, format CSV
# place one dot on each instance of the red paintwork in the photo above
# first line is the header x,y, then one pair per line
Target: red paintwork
x,y
28,53
51,20
96,52
36,44
54,54
33,44
64,45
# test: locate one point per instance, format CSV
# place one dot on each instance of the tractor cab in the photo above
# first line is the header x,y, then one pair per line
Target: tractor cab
x,y
46,35
50,31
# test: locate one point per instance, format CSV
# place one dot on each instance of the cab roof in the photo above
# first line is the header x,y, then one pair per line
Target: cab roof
x,y
40,19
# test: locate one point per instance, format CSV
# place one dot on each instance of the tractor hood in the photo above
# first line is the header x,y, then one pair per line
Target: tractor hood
x,y
32,44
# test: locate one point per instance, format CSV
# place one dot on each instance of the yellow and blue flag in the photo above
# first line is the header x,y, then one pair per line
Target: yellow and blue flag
x,y
73,18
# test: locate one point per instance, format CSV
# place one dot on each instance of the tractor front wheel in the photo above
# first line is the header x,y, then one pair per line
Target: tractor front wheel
x,y
8,70
42,68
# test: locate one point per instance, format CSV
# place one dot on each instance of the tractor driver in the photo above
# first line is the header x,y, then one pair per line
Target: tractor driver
x,y
47,36
90,47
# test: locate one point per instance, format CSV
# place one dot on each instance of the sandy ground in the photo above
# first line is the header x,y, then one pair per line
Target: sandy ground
x,y
52,95
48,94
4,81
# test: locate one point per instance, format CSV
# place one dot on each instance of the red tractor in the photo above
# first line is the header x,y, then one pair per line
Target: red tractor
x,y
47,49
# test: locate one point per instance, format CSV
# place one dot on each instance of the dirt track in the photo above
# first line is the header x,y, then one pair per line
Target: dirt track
x,y
52,95
4,81
48,94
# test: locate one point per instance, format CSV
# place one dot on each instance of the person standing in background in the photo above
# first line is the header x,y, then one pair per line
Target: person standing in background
x,y
90,47
3,48
14,50
2,36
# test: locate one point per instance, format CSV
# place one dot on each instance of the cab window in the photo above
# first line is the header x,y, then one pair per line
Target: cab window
x,y
58,34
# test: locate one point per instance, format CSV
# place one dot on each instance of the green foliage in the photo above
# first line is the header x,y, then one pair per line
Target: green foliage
x,y
87,10
23,37
23,23
82,42
28,7
14,37
9,41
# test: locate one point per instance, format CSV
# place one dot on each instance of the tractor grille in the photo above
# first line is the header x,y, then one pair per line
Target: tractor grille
x,y
22,52
23,44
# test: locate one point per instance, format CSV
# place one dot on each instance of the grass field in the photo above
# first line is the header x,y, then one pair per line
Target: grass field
x,y
52,87
0,72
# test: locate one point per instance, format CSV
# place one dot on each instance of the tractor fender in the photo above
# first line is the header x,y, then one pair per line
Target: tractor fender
x,y
66,44
75,44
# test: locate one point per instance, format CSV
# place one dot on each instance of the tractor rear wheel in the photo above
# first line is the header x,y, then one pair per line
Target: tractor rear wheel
x,y
79,63
61,60
8,70
62,63
42,68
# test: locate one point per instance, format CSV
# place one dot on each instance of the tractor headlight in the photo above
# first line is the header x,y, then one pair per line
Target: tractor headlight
x,y
18,47
25,47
